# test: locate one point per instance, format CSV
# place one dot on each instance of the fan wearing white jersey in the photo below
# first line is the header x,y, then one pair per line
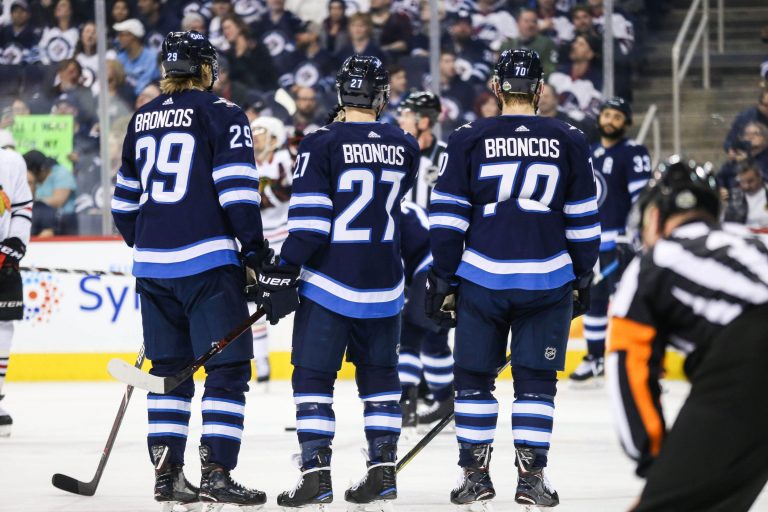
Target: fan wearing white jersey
x,y
15,224
275,166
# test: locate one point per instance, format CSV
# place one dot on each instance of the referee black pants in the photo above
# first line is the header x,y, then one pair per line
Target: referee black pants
x,y
716,455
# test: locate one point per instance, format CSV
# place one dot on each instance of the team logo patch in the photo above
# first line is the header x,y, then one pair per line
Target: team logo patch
x,y
550,353
685,200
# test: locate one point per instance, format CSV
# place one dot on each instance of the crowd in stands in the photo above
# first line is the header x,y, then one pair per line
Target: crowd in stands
x,y
279,58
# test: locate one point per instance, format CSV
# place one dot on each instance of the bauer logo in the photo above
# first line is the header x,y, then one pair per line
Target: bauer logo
x,y
550,353
42,296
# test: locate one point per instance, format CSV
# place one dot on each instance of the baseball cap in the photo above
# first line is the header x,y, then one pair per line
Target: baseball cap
x,y
132,26
19,3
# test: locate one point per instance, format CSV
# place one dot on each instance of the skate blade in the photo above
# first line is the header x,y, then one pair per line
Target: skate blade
x,y
175,506
216,507
317,507
585,385
374,506
478,506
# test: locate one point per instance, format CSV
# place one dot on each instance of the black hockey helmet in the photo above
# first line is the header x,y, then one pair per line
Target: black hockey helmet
x,y
620,104
363,82
424,103
519,71
184,53
680,185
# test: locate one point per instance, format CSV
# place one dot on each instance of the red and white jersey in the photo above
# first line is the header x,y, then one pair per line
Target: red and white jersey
x,y
15,197
276,178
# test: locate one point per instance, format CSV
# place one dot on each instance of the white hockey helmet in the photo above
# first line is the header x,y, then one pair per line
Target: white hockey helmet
x,y
273,126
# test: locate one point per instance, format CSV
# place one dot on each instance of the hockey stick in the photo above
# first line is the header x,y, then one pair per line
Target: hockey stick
x,y
124,372
408,457
74,271
69,484
607,271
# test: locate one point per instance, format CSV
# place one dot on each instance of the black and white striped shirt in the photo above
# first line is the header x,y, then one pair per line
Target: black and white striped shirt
x,y
683,292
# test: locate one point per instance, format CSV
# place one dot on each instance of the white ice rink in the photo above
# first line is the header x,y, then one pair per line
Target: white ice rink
x,y
62,427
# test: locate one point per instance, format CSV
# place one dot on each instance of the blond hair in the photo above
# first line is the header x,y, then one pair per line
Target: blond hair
x,y
170,85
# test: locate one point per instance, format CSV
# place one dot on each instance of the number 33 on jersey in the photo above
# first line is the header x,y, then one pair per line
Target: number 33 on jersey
x,y
187,184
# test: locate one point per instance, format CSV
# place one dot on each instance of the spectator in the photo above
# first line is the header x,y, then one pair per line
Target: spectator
x,y
194,21
245,56
530,38
316,67
486,105
737,154
583,23
398,89
334,35
85,138
473,58
6,140
747,203
456,95
758,113
277,28
548,107
43,216
58,41
149,93
121,11
69,79
88,57
235,92
17,108
117,105
360,41
20,37
219,9
55,187
623,29
552,23
308,116
139,62
578,83
156,23
391,29
492,25
756,133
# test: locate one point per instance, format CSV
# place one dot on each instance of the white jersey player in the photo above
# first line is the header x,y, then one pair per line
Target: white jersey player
x,y
15,225
275,167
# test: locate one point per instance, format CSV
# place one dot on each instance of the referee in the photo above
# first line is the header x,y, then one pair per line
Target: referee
x,y
703,289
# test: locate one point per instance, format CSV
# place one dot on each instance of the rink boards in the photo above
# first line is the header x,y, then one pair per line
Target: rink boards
x,y
74,324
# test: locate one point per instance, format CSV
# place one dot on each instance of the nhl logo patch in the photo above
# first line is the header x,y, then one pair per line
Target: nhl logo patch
x,y
550,353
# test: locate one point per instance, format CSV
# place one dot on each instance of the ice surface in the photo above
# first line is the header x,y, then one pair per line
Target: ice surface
x,y
62,428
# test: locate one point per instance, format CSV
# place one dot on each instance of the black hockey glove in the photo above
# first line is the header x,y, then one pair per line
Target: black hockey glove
x,y
440,300
277,291
11,251
253,260
581,295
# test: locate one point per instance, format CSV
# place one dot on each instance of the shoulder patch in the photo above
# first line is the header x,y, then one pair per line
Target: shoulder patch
x,y
225,102
468,125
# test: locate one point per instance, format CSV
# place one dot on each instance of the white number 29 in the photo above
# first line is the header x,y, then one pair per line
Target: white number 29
x,y
245,131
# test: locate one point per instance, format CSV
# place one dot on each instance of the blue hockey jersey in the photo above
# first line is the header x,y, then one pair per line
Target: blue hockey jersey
x,y
621,172
414,244
344,217
515,205
188,186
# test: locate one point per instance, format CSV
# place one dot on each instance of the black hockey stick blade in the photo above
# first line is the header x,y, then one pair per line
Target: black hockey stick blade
x,y
413,452
69,484
133,376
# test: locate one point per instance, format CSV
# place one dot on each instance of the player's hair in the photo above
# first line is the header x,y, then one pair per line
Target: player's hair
x,y
336,115
171,85
517,99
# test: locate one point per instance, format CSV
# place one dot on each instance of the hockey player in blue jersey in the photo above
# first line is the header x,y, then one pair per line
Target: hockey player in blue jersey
x,y
187,192
514,233
622,169
344,233
424,350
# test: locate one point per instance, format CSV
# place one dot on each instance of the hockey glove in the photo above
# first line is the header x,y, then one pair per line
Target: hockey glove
x,y
581,295
440,300
11,251
253,261
277,291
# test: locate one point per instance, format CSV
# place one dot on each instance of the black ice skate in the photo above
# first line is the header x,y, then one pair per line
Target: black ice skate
x,y
6,422
171,487
436,411
474,490
533,489
378,487
313,490
590,373
218,489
